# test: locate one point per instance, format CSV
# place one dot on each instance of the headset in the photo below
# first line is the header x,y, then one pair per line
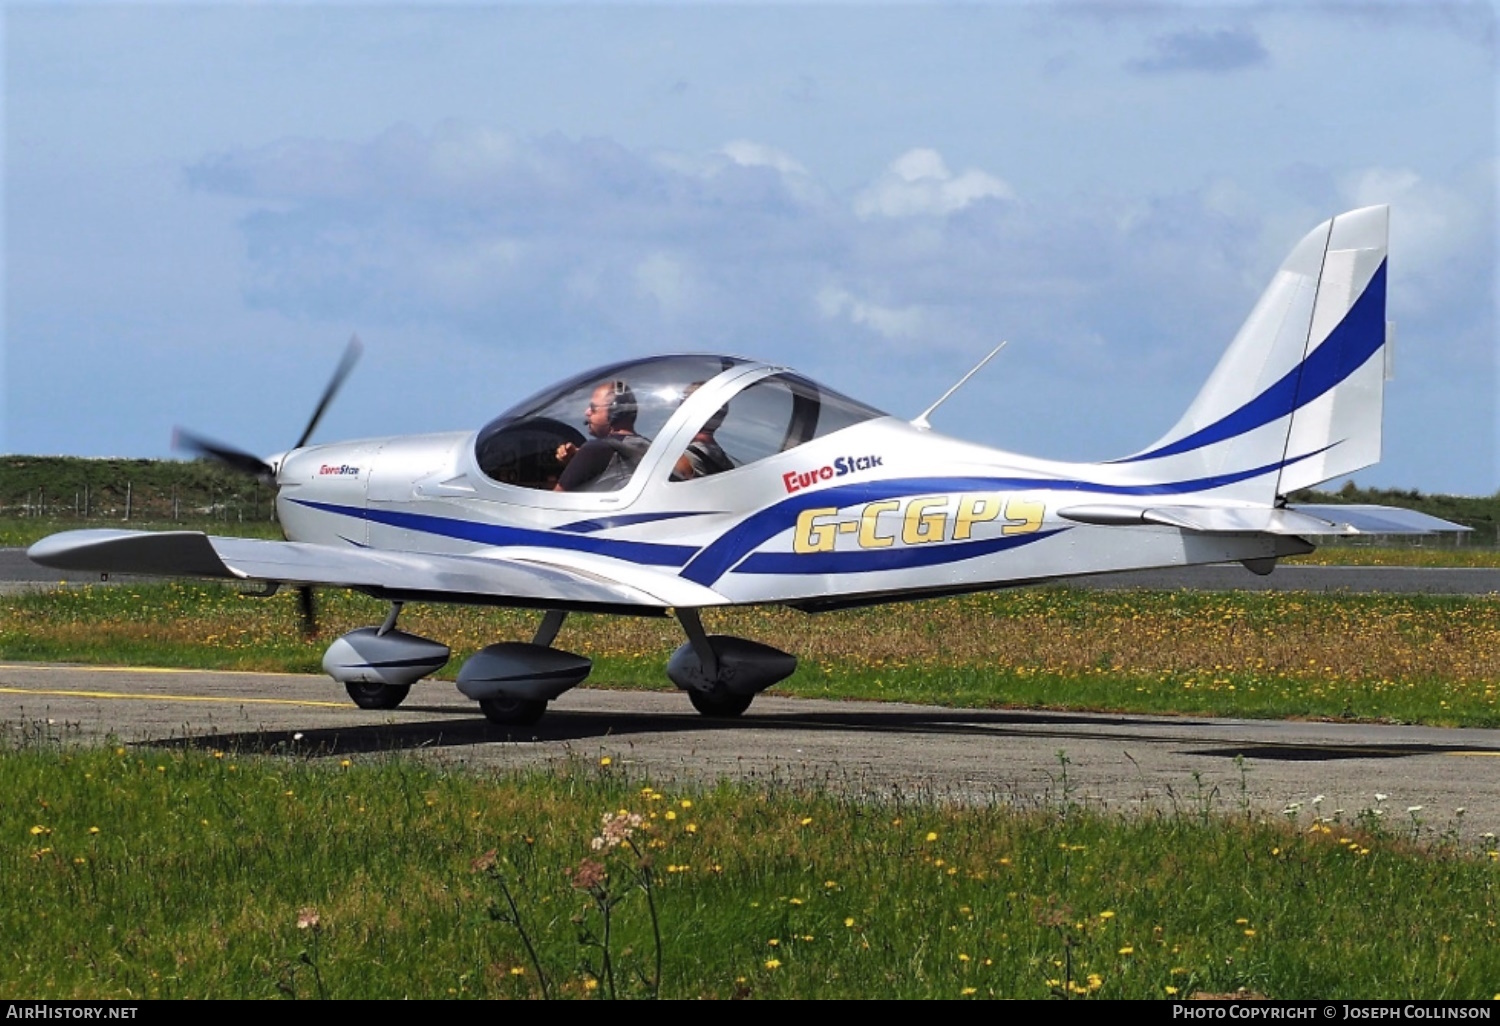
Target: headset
x,y
622,404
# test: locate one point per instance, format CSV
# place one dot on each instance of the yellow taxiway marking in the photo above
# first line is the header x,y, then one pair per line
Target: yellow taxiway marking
x,y
81,668
1493,755
171,698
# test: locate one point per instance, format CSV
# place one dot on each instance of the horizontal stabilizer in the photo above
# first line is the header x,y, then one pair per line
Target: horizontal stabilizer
x,y
1377,520
1290,520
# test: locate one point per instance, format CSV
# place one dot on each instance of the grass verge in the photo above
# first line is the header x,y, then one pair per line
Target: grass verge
x,y
142,873
1393,658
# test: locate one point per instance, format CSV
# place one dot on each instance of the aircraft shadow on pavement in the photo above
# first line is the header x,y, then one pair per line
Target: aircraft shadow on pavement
x,y
563,726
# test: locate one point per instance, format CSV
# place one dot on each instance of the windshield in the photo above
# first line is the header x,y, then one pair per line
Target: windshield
x,y
588,433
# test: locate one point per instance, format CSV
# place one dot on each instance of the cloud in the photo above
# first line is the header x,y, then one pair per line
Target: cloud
x,y
918,183
570,248
752,154
1214,52
908,323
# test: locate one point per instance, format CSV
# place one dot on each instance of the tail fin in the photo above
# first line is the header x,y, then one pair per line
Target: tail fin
x,y
1296,400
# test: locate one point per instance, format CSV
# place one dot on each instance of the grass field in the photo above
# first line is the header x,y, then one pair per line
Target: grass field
x,y
1393,658
139,873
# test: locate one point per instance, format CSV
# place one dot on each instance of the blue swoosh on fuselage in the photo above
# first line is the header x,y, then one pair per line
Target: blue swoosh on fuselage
x,y
707,564
648,553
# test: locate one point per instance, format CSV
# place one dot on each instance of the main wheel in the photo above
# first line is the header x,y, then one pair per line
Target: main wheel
x,y
377,696
512,712
719,706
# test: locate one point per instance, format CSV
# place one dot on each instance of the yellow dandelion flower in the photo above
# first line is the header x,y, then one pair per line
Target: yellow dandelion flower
x,y
773,942
1170,990
518,970
605,761
931,835
1107,914
1127,950
807,821
685,803
849,922
773,963
670,815
968,991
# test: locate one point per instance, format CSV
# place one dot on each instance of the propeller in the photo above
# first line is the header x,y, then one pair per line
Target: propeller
x,y
346,364
307,606
236,459
264,472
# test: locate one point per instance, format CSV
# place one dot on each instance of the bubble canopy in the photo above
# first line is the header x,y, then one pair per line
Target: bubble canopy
x,y
771,412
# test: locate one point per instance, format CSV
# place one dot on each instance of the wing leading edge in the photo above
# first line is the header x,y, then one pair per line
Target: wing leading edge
x,y
500,580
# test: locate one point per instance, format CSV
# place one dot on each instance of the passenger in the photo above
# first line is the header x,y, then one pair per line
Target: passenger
x,y
703,455
606,461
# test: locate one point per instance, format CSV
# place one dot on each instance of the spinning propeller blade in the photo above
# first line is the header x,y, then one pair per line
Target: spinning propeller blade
x,y
346,364
236,459
247,463
308,608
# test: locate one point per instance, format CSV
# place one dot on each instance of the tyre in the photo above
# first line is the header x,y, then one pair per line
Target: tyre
x,y
377,696
720,706
512,712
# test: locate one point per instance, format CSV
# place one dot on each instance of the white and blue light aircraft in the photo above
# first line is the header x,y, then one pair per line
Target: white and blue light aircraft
x,y
708,481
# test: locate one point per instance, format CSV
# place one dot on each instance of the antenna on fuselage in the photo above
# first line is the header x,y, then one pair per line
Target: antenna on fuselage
x,y
921,422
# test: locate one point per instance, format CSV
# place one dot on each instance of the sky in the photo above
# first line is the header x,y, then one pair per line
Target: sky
x,y
202,202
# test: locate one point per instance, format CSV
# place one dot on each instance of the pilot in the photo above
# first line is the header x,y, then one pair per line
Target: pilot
x,y
605,462
703,455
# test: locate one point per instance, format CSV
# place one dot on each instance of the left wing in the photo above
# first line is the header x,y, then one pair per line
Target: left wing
x,y
531,579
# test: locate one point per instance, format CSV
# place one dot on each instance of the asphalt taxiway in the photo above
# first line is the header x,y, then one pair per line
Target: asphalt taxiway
x,y
1121,763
